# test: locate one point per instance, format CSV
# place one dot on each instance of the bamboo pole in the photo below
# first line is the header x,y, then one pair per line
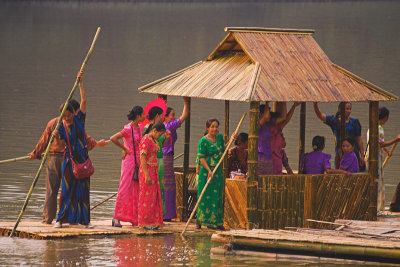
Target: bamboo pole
x,y
302,134
213,172
107,199
252,164
14,159
56,128
389,155
185,185
373,155
226,136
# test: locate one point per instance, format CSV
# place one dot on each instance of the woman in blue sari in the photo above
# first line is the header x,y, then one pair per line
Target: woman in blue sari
x,y
74,198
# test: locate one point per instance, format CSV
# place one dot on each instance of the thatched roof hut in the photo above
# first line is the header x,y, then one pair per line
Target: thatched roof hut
x,y
278,65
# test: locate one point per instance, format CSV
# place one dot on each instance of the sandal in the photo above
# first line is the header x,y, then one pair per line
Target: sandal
x,y
116,223
198,225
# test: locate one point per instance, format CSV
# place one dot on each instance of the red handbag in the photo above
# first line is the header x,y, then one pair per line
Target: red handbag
x,y
80,170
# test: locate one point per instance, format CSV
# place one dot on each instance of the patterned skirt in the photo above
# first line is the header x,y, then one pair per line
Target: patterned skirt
x,y
265,166
169,187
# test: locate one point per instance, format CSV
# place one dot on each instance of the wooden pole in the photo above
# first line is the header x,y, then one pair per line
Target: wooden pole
x,y
226,136
389,155
56,128
213,172
185,184
302,134
373,155
252,164
342,132
14,159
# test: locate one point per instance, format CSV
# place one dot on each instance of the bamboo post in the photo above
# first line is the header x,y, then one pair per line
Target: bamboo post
x,y
373,155
389,155
213,172
252,164
226,136
52,135
342,132
302,134
185,185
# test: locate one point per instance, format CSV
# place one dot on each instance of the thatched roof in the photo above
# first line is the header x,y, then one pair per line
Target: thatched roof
x,y
258,64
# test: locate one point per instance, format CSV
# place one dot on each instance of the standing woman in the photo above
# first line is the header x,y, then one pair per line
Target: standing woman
x,y
126,205
155,115
74,199
383,118
150,204
266,126
211,147
172,124
353,130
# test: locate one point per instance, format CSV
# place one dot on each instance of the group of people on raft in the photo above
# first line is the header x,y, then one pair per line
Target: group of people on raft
x,y
147,190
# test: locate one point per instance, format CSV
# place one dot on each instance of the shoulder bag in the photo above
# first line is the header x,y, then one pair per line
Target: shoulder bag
x,y
80,170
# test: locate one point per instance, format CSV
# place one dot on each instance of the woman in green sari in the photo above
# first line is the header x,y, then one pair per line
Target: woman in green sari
x,y
155,115
211,147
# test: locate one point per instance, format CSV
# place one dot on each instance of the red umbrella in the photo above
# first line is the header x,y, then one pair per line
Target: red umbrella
x,y
158,102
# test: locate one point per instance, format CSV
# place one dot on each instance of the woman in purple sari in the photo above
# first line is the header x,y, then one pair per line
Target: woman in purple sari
x,y
171,124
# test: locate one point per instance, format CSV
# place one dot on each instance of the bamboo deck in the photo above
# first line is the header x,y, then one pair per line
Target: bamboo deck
x,y
365,240
37,230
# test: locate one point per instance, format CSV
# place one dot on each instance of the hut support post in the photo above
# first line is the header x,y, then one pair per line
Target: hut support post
x,y
186,166
342,133
252,181
302,133
373,154
226,136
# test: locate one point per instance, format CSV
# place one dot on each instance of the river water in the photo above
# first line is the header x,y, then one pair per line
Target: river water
x,y
44,43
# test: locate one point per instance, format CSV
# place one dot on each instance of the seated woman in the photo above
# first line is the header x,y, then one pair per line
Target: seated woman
x,y
316,162
237,155
349,161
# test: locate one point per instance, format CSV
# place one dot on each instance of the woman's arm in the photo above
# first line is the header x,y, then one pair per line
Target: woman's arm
x,y
145,169
185,112
339,171
289,115
205,165
82,92
391,142
282,112
115,139
361,146
318,112
266,116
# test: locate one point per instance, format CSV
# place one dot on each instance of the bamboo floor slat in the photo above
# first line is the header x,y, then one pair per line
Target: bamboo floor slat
x,y
37,230
378,241
308,235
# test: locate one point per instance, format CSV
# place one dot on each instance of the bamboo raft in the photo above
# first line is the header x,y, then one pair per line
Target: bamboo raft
x,y
37,230
362,240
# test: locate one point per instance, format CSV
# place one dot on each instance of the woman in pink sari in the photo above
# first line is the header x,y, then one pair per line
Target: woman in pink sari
x,y
126,205
150,204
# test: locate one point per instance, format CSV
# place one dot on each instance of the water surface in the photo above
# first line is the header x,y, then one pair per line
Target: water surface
x,y
43,45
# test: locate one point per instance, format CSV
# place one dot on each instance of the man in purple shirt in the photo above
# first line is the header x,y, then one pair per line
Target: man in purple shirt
x,y
172,124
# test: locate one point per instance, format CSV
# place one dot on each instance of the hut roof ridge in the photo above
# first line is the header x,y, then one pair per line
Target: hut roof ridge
x,y
251,64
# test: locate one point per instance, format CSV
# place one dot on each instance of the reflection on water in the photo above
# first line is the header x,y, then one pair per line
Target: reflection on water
x,y
43,44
